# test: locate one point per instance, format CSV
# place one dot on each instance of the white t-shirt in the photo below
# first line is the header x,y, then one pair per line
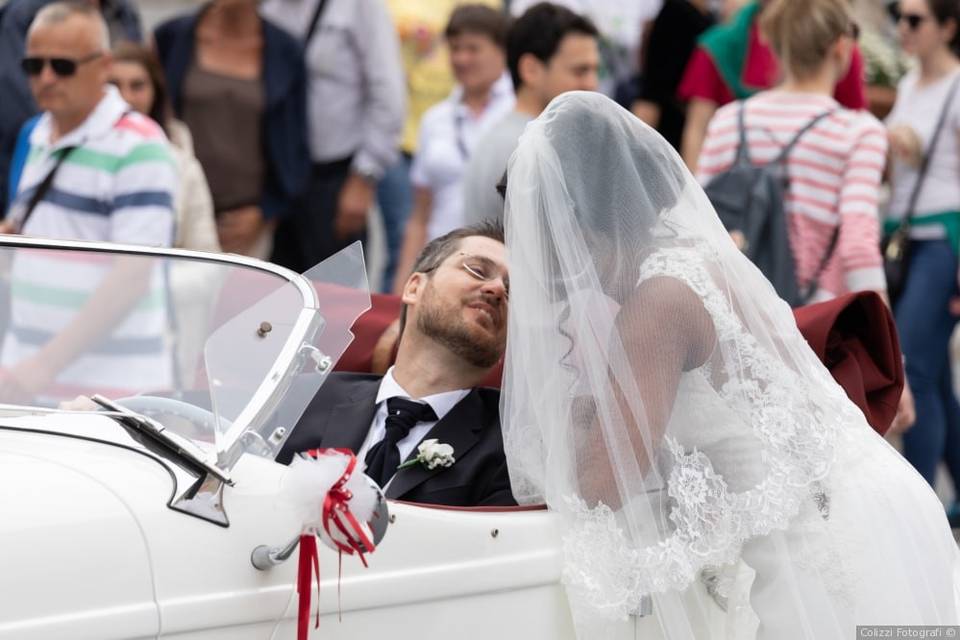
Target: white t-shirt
x,y
486,167
920,107
448,133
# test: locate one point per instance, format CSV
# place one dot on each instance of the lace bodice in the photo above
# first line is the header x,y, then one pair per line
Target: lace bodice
x,y
743,452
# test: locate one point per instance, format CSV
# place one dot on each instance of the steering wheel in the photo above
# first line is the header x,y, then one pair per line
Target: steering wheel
x,y
203,420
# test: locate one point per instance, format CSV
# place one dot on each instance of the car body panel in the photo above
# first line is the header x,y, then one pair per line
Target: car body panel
x,y
74,560
131,567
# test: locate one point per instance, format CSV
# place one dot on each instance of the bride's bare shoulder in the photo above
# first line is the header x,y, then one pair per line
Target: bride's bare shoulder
x,y
665,310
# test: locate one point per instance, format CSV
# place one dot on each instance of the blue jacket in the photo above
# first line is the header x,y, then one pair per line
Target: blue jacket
x,y
284,122
16,102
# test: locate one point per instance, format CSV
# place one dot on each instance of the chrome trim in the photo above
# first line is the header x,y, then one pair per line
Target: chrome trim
x,y
133,249
265,557
203,499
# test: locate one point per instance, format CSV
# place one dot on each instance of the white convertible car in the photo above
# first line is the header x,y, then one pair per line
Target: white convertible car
x,y
162,513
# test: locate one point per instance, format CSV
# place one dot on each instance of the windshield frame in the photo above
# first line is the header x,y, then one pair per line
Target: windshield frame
x,y
270,391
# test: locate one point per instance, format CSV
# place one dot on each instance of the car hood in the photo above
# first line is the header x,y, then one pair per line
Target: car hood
x,y
80,557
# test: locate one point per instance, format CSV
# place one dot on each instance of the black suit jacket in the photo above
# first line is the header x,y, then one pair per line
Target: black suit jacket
x,y
341,413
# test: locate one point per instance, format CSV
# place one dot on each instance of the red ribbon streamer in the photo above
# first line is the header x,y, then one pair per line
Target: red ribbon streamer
x,y
336,512
309,563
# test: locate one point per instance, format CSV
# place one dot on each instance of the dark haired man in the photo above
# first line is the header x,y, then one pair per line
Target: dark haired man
x,y
454,333
550,50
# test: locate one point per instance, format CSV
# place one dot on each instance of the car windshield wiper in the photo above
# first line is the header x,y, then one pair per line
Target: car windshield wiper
x,y
156,432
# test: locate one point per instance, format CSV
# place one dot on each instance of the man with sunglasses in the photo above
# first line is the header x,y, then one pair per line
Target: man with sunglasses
x,y
452,335
17,106
95,170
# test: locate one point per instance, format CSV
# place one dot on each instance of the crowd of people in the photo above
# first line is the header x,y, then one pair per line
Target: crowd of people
x,y
657,391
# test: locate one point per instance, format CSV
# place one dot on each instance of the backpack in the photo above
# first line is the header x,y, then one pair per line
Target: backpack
x,y
749,199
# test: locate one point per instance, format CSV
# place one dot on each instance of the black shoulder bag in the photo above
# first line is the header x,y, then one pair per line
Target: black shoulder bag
x,y
895,247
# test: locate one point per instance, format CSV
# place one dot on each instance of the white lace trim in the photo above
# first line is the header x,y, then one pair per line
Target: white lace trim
x,y
710,522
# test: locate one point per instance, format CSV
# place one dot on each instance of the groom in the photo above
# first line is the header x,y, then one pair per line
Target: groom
x,y
452,333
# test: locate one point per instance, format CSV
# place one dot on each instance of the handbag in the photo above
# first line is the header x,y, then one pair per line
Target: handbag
x,y
895,246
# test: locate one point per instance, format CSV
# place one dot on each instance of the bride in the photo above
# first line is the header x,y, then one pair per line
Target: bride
x,y
658,395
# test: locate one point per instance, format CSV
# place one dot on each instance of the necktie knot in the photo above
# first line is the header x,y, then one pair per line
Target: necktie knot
x,y
403,415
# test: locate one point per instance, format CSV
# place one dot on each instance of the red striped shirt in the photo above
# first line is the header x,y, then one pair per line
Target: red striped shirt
x,y
834,176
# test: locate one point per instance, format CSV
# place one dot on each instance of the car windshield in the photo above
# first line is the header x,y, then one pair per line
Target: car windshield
x,y
224,351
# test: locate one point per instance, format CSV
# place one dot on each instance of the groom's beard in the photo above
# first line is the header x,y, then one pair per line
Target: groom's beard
x,y
444,323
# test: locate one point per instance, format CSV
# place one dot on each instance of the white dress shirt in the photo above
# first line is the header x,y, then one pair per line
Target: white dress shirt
x,y
441,403
448,133
356,98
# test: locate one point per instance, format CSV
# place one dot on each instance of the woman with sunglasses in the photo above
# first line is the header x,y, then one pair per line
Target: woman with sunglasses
x,y
930,31
136,72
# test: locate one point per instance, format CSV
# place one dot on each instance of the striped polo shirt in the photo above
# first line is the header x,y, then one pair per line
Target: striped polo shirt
x,y
118,184
834,175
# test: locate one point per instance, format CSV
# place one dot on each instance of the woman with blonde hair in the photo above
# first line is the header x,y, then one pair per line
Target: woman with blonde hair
x,y
835,168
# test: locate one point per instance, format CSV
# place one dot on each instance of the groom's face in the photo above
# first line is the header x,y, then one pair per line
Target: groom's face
x,y
463,302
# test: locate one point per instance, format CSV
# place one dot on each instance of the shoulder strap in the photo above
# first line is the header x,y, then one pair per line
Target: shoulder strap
x,y
925,162
19,160
43,188
743,151
314,21
796,138
814,283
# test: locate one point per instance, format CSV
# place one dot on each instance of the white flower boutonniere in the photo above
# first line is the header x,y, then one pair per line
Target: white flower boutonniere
x,y
432,454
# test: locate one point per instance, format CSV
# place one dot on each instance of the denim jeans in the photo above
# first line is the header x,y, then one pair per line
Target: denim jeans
x,y
395,196
925,326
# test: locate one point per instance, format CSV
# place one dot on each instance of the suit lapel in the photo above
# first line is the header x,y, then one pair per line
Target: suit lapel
x,y
349,421
460,428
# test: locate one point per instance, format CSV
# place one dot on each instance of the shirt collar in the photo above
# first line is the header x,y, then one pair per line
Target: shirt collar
x,y
441,403
100,121
502,87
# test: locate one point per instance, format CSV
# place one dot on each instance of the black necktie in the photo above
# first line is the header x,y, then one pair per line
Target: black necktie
x,y
402,415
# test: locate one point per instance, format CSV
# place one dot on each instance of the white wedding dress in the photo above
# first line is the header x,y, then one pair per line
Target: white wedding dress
x,y
658,395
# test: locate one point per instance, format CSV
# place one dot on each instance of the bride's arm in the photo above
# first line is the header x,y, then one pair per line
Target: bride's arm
x,y
662,330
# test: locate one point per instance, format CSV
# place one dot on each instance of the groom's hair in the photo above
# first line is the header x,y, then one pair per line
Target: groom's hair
x,y
441,248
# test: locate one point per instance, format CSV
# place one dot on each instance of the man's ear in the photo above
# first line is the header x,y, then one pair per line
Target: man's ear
x,y
413,288
531,70
106,65
951,26
842,52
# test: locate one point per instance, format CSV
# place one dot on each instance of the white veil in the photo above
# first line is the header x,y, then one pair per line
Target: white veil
x,y
657,392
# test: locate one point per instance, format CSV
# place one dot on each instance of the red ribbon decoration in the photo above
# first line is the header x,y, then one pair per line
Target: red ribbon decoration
x,y
336,512
309,563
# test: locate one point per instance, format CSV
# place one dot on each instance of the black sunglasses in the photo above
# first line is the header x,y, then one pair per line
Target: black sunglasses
x,y
913,20
63,67
853,30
